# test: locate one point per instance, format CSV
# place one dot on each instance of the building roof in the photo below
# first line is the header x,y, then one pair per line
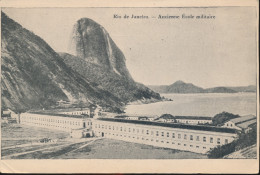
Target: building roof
x,y
172,125
246,124
120,116
60,115
137,116
58,110
186,118
168,117
243,119
193,117
6,112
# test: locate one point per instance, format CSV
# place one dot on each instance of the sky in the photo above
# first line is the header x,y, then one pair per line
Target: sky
x,y
205,52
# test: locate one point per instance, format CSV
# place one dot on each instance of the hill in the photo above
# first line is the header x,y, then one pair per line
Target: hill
x,y
34,76
98,59
185,88
219,90
251,88
178,87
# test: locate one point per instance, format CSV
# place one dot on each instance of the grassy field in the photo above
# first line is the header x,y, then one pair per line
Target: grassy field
x,y
246,153
116,149
16,134
20,142
18,138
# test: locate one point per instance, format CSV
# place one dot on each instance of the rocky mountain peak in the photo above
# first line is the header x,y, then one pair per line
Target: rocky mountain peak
x,y
91,41
179,82
34,76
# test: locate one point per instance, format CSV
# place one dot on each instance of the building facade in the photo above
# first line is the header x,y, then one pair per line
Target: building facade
x,y
58,122
194,121
199,140
79,112
191,120
241,123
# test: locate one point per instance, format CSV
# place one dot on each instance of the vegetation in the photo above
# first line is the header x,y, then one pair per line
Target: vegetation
x,y
86,82
121,87
223,117
182,87
244,140
168,116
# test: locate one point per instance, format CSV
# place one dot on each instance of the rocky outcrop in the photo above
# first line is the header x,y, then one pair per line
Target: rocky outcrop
x,y
91,42
35,76
98,59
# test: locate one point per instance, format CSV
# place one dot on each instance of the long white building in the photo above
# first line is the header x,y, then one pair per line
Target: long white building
x,y
55,121
199,139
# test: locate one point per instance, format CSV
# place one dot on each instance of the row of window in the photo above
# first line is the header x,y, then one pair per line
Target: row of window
x,y
76,113
188,121
49,125
230,125
31,119
162,134
156,140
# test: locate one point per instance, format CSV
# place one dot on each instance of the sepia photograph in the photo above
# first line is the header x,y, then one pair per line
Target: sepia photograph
x,y
129,83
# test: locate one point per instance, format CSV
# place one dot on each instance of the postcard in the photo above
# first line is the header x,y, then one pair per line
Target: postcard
x,y
134,87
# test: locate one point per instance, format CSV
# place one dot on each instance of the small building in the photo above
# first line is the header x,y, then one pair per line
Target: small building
x,y
135,117
166,118
77,112
9,116
241,123
62,103
146,118
81,133
132,117
127,117
193,120
5,114
9,113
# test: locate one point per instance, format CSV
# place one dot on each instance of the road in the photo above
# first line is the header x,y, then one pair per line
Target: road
x,y
63,148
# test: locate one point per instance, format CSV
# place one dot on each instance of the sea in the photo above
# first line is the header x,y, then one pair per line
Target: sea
x,y
206,104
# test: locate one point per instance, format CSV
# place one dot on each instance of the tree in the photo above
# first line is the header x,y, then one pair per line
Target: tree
x,y
168,116
223,117
244,140
81,105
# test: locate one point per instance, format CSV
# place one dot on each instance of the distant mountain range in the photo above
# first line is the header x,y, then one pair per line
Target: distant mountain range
x,y
34,76
185,88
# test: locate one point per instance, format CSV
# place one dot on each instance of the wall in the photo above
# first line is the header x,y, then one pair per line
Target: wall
x,y
194,122
230,124
54,122
167,137
175,138
187,121
76,112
